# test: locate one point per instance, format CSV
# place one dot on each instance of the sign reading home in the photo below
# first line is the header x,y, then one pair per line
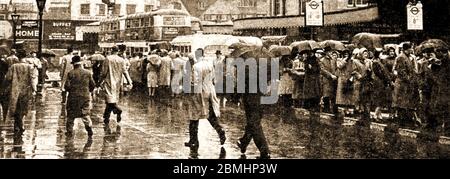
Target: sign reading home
x,y
27,29
59,30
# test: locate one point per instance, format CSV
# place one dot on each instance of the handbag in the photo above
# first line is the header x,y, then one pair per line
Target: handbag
x,y
349,85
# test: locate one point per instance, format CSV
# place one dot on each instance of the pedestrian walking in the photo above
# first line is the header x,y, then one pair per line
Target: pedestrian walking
x,y
66,66
80,84
20,94
203,100
111,81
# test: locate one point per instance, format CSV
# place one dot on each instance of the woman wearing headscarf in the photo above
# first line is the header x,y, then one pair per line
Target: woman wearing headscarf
x,y
349,76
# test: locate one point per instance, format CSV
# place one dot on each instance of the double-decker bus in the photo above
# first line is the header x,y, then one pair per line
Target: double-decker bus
x,y
143,32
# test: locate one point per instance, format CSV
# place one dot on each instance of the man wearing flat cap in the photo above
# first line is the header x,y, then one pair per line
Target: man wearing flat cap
x,y
80,84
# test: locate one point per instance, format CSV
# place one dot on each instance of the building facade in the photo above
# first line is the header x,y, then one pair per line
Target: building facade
x,y
287,18
217,15
62,18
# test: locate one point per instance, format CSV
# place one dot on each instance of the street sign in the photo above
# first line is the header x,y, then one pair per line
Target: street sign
x,y
415,16
59,30
27,29
314,13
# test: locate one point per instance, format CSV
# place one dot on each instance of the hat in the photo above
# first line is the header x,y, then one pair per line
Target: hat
x,y
76,60
218,52
406,46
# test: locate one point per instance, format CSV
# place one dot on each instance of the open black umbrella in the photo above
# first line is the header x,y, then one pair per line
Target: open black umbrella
x,y
306,45
367,40
333,45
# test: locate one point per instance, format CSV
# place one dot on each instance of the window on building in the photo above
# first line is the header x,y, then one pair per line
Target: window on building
x,y
2,17
131,8
354,3
101,10
116,9
128,23
207,17
247,3
148,8
176,5
213,17
302,6
201,5
3,7
85,9
147,22
276,7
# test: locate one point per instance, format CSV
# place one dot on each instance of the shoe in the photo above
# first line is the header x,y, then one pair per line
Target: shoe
x,y
222,137
241,147
264,157
193,135
119,117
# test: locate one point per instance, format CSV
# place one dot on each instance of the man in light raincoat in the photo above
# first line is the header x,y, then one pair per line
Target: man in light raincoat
x,y
113,69
203,100
19,78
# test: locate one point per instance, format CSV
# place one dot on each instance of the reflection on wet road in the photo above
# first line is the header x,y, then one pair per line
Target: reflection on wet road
x,y
151,129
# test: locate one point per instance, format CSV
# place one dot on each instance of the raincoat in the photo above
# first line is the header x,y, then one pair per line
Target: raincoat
x,y
328,68
66,66
152,71
405,91
349,76
113,69
19,78
165,71
204,96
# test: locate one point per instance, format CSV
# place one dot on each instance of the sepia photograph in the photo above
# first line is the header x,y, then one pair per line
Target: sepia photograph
x,y
225,79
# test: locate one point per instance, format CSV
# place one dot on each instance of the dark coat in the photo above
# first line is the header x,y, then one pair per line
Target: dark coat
x,y
80,83
312,87
382,92
405,90
440,88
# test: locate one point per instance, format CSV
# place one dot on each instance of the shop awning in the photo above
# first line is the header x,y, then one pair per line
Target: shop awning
x,y
366,14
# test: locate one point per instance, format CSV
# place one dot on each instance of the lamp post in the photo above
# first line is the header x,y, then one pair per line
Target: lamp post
x,y
15,19
41,6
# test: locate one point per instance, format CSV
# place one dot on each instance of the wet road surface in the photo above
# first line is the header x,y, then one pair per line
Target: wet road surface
x,y
154,130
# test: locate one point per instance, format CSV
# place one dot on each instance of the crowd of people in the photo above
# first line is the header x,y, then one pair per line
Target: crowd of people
x,y
409,84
